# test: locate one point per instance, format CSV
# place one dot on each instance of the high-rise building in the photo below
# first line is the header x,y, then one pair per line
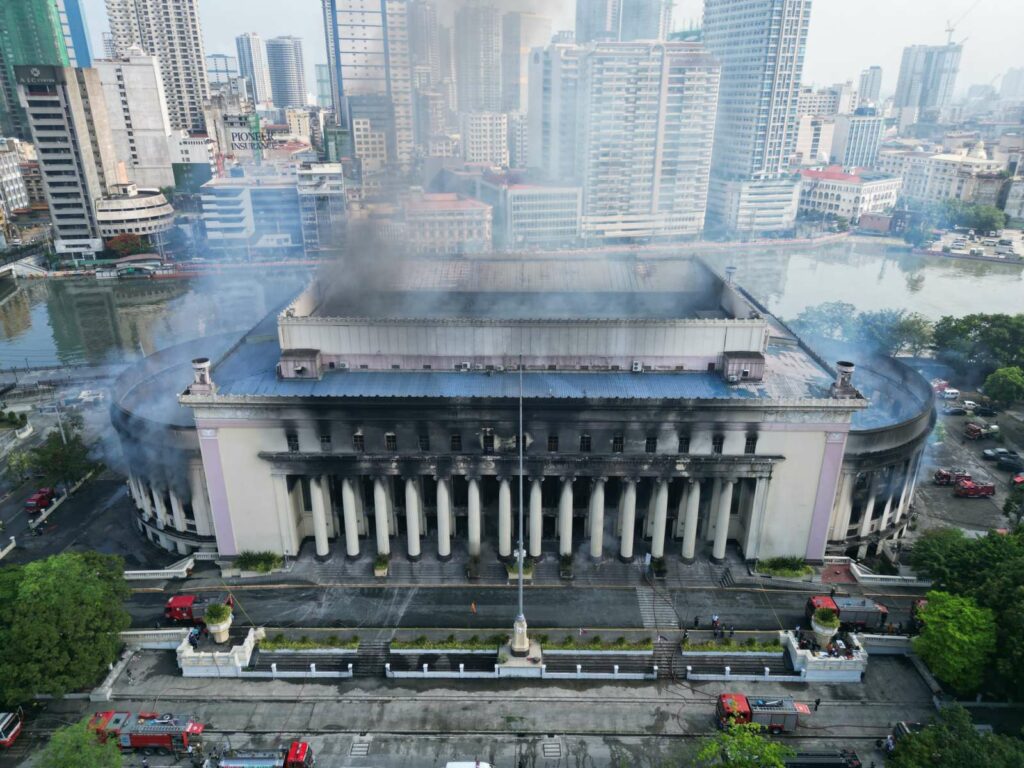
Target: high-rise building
x,y
856,139
478,58
76,32
552,111
287,71
520,33
760,44
485,137
139,124
1012,86
368,53
927,78
169,30
324,100
870,88
220,68
30,33
647,122
67,115
622,20
252,65
424,42
13,192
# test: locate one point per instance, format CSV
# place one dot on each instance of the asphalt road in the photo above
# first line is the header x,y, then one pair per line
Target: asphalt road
x,y
445,607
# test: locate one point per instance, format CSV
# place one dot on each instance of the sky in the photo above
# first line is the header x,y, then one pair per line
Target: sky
x,y
845,36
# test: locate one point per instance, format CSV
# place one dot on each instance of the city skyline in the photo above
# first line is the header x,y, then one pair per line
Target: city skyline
x,y
835,51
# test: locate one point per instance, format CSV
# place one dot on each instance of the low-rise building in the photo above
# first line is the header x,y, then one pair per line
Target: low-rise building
x,y
849,194
528,215
933,177
485,138
447,223
32,175
13,194
856,139
252,217
193,160
752,206
134,211
321,189
814,140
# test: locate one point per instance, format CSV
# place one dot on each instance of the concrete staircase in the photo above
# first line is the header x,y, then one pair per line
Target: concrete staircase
x,y
371,657
746,664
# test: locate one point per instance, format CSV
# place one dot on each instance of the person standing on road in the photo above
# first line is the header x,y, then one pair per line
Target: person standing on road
x,y
696,622
817,703
472,607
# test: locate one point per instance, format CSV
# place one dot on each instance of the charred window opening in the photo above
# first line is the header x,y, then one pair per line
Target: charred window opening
x,y
325,442
717,443
651,445
618,443
424,442
488,442
456,441
553,443
684,443
358,442
293,441
584,443
750,446
390,441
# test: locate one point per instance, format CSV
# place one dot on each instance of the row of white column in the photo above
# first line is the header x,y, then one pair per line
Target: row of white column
x,y
154,504
895,504
689,507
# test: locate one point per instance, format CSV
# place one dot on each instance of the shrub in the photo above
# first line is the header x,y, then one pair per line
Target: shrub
x,y
217,613
784,566
381,561
263,562
826,617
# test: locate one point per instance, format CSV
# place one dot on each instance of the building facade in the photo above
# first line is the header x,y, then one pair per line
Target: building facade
x,y
322,194
446,223
13,192
663,414
932,178
552,115
76,32
129,210
324,100
869,90
485,137
478,58
252,65
169,30
837,191
927,78
814,140
520,33
856,138
252,217
220,68
622,20
287,71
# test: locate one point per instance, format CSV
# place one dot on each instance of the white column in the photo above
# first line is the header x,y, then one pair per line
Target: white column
x,y
690,524
412,516
444,519
177,512
565,518
869,508
756,520
504,518
844,504
473,517
660,518
597,519
349,510
323,547
722,524
160,507
628,519
285,516
380,516
536,517
133,489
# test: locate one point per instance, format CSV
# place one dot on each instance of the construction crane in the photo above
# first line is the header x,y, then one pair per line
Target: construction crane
x,y
952,25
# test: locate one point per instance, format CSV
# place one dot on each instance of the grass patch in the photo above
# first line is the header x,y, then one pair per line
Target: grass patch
x,y
281,643
788,567
597,643
262,562
750,645
453,643
513,569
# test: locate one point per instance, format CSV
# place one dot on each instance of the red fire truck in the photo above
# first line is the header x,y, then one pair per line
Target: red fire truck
x,y
10,727
189,609
778,715
951,476
853,612
149,732
298,755
969,489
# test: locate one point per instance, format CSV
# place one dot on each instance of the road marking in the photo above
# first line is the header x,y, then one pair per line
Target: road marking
x,y
360,749
551,750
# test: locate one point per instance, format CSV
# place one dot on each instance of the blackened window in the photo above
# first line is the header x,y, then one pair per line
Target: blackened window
x,y
684,443
325,441
651,445
488,442
456,441
751,444
293,442
424,442
552,443
717,443
617,443
584,443
358,443
390,441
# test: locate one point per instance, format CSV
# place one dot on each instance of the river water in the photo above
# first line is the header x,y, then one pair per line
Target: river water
x,y
89,321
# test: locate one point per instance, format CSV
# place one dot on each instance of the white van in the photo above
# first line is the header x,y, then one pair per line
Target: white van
x,y
951,394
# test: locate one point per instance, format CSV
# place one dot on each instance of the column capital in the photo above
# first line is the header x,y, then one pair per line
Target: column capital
x,y
598,479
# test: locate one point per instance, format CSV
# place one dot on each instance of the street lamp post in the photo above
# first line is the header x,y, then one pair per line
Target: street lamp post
x,y
520,640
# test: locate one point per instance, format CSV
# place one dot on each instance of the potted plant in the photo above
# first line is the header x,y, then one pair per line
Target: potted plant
x,y
512,568
380,566
659,568
825,623
565,566
473,568
218,621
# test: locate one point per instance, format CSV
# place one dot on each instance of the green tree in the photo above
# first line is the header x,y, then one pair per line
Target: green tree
x,y
1013,507
75,746
19,465
881,330
951,741
127,245
60,623
957,641
61,460
743,745
1005,385
980,341
830,320
915,333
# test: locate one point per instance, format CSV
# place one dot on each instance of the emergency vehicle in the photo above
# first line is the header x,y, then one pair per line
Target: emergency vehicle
x,y
776,715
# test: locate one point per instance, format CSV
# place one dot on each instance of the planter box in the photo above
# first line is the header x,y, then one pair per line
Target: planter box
x,y
417,651
380,571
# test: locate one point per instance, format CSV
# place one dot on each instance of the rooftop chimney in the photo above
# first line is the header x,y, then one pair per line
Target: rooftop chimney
x,y
842,387
201,381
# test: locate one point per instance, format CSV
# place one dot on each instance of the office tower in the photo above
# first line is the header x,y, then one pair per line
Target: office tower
x,y
169,30
220,68
552,112
76,32
646,130
870,85
424,43
484,137
252,65
368,52
287,71
67,115
1012,86
431,116
622,20
760,45
139,124
927,77
30,33
520,32
324,99
856,138
478,58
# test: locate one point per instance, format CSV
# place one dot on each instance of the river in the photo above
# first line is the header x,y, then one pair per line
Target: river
x,y
51,322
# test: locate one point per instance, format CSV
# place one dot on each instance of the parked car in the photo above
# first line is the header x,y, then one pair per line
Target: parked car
x,y
985,410
994,454
950,394
970,405
1010,461
954,410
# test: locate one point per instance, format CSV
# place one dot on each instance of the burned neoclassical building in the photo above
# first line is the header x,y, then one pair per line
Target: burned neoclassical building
x,y
663,411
